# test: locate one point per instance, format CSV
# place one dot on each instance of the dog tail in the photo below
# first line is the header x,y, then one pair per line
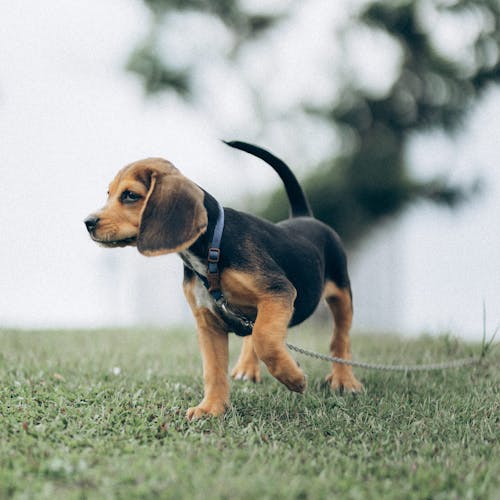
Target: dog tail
x,y
299,206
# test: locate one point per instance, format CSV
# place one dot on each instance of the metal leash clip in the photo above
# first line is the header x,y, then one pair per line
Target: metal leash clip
x,y
241,325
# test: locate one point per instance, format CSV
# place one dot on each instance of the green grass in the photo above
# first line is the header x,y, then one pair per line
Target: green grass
x,y
100,414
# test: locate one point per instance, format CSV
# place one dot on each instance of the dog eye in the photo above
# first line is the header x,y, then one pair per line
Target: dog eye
x,y
129,197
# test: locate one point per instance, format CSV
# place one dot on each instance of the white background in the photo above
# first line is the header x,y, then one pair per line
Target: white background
x,y
70,117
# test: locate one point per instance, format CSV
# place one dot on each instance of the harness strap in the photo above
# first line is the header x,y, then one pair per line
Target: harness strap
x,y
240,325
212,281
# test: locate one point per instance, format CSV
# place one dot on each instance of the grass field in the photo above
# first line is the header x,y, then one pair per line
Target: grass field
x,y
100,414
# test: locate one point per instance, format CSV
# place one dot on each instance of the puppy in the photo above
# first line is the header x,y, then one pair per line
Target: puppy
x,y
242,274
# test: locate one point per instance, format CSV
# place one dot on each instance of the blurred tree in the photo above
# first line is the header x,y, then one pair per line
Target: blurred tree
x,y
434,89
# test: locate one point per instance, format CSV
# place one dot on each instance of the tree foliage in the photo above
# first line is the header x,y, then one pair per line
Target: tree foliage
x,y
369,179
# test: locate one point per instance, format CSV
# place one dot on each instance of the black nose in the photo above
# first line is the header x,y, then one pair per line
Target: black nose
x,y
91,223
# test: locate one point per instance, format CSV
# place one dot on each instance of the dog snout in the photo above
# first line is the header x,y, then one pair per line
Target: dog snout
x,y
91,222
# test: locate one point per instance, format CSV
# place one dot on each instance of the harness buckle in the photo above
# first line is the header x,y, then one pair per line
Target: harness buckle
x,y
213,255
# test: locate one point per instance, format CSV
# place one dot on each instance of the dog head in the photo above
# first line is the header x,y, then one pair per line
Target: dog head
x,y
150,205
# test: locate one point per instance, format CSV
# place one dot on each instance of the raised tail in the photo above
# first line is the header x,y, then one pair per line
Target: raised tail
x,y
299,206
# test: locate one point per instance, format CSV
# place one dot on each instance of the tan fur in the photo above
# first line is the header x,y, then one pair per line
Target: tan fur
x,y
213,343
115,223
241,288
269,335
174,216
247,367
340,303
269,332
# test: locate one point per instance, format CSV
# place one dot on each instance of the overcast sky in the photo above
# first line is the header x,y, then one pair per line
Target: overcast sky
x,y
70,117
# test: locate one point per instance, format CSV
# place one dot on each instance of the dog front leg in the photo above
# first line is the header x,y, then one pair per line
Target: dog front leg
x,y
213,342
214,350
269,335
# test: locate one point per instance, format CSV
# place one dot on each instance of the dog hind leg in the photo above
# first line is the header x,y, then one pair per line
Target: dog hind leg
x,y
340,303
247,367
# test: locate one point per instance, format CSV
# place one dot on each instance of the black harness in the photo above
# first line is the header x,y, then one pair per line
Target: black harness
x,y
237,322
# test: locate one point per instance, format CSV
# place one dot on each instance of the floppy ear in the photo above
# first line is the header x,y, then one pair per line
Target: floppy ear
x,y
173,217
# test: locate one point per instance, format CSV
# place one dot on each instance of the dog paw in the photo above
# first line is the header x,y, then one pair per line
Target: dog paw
x,y
298,385
247,372
344,382
287,371
296,382
206,409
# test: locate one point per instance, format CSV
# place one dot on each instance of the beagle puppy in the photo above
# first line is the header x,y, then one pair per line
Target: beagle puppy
x,y
242,274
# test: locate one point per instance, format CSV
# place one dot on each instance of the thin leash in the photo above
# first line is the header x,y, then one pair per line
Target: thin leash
x,y
486,346
456,363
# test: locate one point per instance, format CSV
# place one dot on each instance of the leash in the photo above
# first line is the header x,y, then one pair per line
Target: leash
x,y
486,346
242,326
456,363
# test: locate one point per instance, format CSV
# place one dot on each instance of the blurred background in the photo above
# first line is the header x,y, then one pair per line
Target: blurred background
x,y
388,112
